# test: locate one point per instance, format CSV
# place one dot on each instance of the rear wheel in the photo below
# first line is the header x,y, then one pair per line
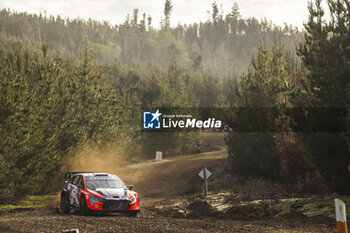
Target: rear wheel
x,y
64,206
84,209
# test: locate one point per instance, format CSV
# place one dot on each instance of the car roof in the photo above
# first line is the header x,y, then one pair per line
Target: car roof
x,y
91,175
97,175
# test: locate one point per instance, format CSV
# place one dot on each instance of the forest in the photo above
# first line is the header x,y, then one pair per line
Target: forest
x,y
65,83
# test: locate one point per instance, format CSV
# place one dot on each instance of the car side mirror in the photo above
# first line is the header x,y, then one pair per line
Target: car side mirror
x,y
131,187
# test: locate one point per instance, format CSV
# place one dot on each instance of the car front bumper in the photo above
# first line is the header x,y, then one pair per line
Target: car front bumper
x,y
114,206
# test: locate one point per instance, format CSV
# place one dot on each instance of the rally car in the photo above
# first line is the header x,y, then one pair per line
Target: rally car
x,y
90,192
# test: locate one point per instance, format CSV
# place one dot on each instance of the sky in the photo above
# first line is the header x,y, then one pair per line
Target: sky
x,y
293,12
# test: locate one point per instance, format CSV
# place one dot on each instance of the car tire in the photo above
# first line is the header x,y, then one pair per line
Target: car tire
x,y
64,206
133,214
84,209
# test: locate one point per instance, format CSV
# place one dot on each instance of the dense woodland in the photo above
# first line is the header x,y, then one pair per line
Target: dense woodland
x,y
223,45
66,83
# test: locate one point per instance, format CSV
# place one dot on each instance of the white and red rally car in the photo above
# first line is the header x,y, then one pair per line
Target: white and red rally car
x,y
90,192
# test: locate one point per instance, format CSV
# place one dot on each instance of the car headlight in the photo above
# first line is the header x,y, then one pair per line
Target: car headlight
x,y
94,198
132,199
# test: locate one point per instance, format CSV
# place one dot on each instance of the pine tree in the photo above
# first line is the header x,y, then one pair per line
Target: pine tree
x,y
262,92
168,7
326,54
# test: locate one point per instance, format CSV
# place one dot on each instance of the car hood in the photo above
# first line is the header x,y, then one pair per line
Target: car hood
x,y
121,193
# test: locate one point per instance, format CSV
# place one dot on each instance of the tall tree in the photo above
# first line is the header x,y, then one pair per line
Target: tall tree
x,y
168,7
135,16
326,54
215,13
251,144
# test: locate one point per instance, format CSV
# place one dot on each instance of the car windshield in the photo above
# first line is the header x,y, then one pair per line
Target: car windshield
x,y
95,184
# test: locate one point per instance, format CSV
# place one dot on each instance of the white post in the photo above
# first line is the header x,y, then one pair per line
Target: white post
x,y
159,156
340,214
205,181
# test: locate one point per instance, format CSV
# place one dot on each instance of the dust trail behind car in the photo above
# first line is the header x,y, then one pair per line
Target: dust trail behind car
x,y
176,175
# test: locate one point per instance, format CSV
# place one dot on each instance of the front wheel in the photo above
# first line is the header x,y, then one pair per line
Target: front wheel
x,y
64,206
84,209
133,214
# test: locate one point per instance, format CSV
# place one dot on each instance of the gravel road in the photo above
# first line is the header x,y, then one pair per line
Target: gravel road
x,y
156,182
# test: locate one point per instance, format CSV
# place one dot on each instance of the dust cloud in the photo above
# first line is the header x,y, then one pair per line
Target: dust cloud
x,y
87,158
110,159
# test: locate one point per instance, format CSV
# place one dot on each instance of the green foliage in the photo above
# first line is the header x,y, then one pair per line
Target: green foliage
x,y
225,44
168,7
276,82
169,90
254,153
49,106
326,54
29,202
54,98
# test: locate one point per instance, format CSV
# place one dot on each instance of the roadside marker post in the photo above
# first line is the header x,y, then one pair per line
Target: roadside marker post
x,y
205,174
340,214
71,231
159,156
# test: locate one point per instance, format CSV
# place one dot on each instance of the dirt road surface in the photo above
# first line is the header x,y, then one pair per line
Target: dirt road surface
x,y
174,179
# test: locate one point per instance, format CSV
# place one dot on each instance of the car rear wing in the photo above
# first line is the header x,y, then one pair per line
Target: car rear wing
x,y
69,175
